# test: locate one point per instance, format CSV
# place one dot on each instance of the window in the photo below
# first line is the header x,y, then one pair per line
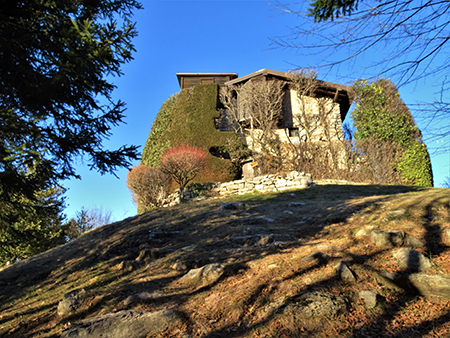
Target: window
x,y
294,132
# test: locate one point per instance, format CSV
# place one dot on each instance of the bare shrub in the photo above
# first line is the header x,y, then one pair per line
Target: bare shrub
x,y
183,163
374,161
256,111
85,220
320,150
148,185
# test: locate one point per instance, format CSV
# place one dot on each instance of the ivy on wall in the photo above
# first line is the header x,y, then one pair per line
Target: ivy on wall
x,y
381,114
189,118
156,143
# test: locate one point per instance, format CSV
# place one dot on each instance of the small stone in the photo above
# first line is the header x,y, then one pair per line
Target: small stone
x,y
267,219
207,274
278,244
71,302
369,297
296,204
325,247
127,265
344,272
387,238
388,280
362,233
129,300
232,206
307,281
398,212
265,240
148,254
179,266
414,242
412,259
316,256
140,297
447,231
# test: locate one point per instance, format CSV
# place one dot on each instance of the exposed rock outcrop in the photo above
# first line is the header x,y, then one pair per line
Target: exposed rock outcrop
x,y
316,304
412,260
431,286
71,302
205,275
123,324
387,238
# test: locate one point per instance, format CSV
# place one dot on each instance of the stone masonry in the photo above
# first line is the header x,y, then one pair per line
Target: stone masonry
x,y
266,183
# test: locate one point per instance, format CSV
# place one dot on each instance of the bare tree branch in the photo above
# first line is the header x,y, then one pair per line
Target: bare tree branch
x,y
410,40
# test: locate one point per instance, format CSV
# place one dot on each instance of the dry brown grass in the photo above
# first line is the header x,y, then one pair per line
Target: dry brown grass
x,y
259,279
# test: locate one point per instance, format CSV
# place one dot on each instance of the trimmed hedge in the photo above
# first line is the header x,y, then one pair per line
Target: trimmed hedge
x,y
188,118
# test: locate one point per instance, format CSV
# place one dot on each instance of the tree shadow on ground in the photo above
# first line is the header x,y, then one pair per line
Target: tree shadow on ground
x,y
197,234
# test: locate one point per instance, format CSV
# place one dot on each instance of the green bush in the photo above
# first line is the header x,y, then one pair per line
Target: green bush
x,y
189,118
381,114
415,165
156,145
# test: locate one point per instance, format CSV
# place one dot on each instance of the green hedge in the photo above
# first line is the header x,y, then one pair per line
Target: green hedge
x,y
380,113
188,118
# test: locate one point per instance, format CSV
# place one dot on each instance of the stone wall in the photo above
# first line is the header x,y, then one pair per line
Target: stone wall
x,y
266,183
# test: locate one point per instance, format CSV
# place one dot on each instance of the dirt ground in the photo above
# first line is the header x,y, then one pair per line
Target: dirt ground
x,y
262,244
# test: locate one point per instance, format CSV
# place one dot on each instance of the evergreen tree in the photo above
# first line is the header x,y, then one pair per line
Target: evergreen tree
x,y
382,115
323,10
55,99
31,225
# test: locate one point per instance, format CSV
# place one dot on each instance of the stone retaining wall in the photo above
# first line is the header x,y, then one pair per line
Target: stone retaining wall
x,y
266,183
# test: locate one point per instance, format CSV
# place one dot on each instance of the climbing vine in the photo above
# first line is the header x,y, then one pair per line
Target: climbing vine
x,y
382,115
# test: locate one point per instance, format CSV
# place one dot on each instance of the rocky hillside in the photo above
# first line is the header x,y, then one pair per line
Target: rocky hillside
x,y
344,261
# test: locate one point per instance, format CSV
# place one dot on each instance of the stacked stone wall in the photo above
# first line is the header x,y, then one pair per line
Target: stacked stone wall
x,y
266,183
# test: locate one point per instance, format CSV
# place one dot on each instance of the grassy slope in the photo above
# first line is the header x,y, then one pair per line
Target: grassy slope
x,y
245,302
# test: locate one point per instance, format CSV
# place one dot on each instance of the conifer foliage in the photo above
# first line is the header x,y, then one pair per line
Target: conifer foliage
x,y
56,101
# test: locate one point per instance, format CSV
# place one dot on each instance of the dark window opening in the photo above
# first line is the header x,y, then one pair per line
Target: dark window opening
x,y
220,152
294,132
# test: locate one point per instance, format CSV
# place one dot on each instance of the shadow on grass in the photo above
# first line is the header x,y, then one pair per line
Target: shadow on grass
x,y
194,235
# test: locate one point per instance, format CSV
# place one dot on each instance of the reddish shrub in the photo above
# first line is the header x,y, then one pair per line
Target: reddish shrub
x,y
183,163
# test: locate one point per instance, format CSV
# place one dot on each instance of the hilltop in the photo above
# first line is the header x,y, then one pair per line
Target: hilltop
x,y
267,253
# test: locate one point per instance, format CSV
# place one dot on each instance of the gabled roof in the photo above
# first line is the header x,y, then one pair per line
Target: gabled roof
x,y
339,93
283,75
263,72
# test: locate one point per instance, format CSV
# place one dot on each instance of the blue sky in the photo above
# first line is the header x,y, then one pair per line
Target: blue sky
x,y
198,36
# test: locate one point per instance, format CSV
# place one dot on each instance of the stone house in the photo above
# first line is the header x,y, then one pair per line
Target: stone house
x,y
316,117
